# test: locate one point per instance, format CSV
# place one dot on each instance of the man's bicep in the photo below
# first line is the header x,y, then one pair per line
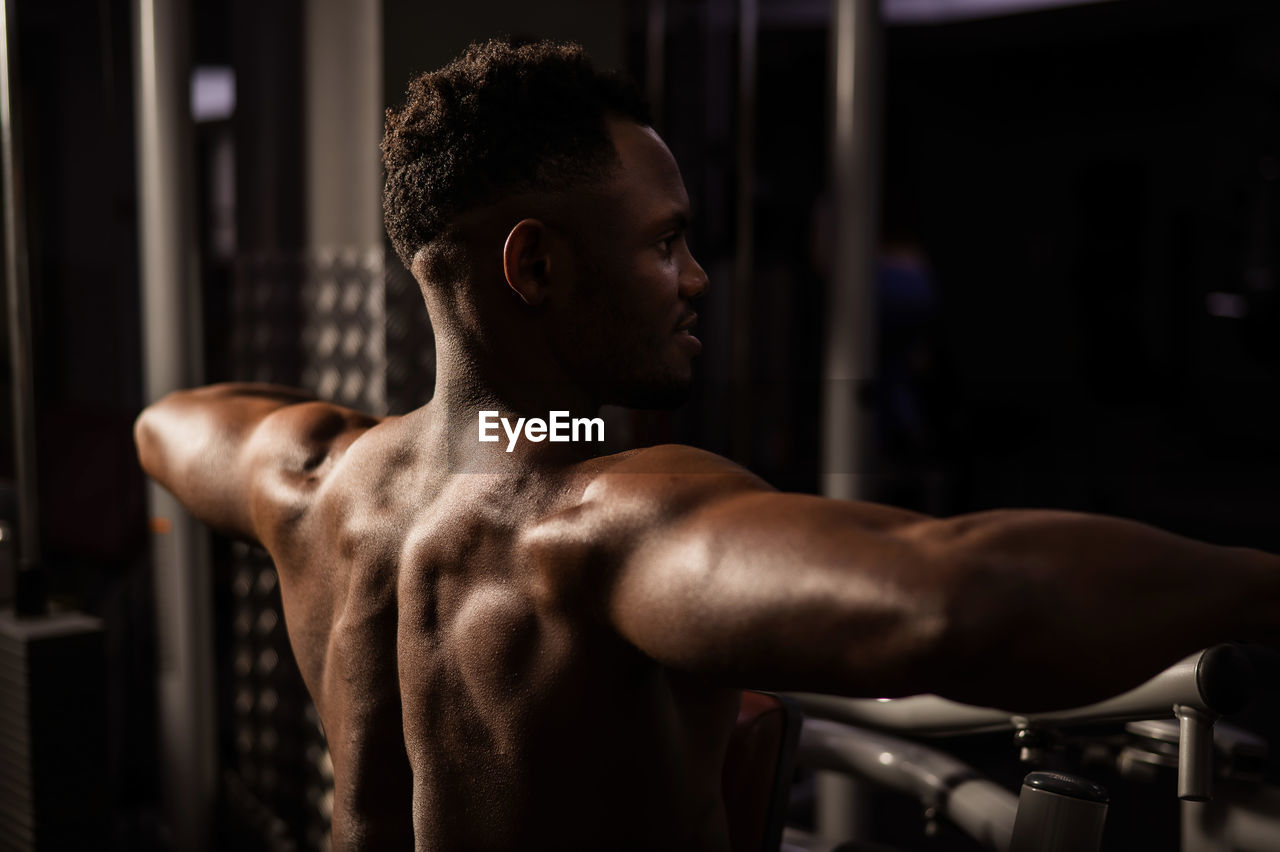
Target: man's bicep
x,y
782,591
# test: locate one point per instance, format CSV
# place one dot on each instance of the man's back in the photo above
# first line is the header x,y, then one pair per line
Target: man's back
x,y
449,615
530,651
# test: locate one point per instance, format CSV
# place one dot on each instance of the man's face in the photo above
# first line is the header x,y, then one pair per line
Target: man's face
x,y
627,331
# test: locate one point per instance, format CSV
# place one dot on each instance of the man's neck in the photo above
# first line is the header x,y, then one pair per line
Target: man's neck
x,y
468,385
465,385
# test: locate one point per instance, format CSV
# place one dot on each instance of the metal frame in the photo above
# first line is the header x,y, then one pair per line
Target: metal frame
x,y
172,347
29,595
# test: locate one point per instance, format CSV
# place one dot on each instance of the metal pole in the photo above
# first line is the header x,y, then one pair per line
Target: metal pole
x,y
29,594
655,59
171,359
849,366
744,276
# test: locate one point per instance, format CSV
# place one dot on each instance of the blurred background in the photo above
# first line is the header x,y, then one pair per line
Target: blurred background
x,y
1064,220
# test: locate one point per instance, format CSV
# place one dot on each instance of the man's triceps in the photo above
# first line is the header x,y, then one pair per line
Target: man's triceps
x,y
785,591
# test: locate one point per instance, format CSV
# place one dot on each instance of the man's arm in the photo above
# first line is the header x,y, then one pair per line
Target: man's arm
x,y
243,458
1021,608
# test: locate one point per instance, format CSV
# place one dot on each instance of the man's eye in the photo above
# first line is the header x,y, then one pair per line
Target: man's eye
x,y
666,243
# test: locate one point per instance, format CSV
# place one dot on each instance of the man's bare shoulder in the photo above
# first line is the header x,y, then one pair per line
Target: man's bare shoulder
x,y
314,426
667,479
297,451
628,497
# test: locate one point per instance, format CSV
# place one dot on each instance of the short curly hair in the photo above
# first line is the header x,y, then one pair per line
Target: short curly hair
x,y
504,117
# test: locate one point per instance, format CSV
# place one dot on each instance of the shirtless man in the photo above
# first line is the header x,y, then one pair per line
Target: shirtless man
x,y
541,648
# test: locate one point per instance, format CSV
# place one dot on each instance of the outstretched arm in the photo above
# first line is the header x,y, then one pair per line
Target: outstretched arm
x,y
243,457
1022,609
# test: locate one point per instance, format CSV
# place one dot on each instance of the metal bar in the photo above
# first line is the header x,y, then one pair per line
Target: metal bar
x,y
171,359
30,598
1195,753
938,781
1180,685
744,260
850,345
849,366
655,59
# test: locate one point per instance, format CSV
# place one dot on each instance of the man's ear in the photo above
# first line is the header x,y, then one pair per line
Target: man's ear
x,y
526,261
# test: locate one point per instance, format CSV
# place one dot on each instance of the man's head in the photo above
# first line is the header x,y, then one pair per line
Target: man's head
x,y
502,119
526,191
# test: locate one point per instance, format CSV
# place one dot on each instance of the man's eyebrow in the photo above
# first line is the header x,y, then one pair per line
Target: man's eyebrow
x,y
677,220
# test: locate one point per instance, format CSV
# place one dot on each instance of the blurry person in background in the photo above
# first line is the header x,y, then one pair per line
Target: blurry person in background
x,y
916,412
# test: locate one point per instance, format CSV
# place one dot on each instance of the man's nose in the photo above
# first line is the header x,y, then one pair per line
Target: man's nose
x,y
693,281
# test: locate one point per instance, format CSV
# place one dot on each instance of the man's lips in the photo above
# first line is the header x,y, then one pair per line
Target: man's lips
x,y
683,331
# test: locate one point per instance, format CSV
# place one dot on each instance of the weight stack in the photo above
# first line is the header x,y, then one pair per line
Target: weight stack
x,y
53,785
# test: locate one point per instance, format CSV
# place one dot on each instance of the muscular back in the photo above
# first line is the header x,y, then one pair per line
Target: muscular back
x,y
514,651
447,626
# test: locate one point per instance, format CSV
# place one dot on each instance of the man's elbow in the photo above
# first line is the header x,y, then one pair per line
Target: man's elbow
x,y
144,439
151,429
